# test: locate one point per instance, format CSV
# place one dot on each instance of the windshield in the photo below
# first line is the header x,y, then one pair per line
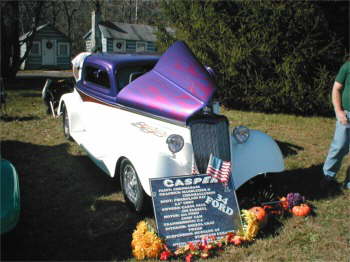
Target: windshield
x,y
128,74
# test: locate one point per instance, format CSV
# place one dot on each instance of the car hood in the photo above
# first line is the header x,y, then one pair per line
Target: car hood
x,y
176,88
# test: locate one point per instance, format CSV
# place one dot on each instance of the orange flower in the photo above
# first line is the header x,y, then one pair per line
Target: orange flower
x,y
145,243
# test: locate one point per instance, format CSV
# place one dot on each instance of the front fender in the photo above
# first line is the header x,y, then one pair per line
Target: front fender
x,y
260,154
162,164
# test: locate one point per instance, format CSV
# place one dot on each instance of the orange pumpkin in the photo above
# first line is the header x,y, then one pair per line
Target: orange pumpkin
x,y
302,210
260,214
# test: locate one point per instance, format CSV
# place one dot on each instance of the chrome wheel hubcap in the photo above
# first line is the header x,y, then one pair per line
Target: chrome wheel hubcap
x,y
130,183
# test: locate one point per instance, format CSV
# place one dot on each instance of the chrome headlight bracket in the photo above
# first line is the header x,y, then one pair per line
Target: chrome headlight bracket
x,y
241,134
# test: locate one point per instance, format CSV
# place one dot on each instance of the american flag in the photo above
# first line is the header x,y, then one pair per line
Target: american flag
x,y
219,169
194,167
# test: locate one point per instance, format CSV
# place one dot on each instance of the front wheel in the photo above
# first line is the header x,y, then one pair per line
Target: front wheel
x,y
134,195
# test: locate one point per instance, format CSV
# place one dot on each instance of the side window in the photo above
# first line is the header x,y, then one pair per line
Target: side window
x,y
128,74
63,49
97,76
35,51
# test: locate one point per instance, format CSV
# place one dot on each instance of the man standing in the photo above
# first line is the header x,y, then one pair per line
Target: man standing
x,y
341,141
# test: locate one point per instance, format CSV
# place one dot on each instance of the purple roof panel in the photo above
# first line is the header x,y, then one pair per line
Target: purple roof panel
x,y
177,87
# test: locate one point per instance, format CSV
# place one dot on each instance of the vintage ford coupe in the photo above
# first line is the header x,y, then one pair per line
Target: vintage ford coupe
x,y
140,117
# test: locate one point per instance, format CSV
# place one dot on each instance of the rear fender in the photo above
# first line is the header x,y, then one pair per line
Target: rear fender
x,y
73,104
260,154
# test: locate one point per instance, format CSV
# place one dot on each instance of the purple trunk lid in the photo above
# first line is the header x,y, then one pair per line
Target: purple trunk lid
x,y
176,88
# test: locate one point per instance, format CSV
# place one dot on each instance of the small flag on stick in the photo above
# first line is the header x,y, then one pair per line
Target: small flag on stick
x,y
194,167
219,169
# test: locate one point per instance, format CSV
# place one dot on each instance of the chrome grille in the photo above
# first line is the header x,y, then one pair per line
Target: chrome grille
x,y
209,134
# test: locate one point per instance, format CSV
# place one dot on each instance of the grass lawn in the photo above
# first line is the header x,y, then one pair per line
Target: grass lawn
x,y
70,210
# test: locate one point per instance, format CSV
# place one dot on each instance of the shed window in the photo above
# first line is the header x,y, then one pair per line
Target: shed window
x,y
140,46
63,49
36,50
97,76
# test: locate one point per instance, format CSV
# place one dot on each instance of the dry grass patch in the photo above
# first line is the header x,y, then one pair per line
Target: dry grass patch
x,y
72,211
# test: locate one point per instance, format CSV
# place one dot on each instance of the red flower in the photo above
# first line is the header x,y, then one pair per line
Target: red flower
x,y
229,236
165,255
191,246
189,257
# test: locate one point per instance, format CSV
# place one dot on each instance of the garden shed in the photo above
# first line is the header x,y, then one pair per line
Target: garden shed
x,y
119,37
51,49
124,38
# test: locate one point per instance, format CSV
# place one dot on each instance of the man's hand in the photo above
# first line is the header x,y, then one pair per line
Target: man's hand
x,y
336,99
341,116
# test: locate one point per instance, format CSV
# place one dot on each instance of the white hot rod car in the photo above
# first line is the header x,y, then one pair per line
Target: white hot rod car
x,y
140,117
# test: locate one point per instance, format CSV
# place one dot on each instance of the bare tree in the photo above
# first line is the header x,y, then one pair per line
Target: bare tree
x,y
69,8
55,11
10,43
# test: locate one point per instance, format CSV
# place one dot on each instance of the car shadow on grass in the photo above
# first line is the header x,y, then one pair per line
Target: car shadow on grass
x,y
7,118
305,181
288,149
70,210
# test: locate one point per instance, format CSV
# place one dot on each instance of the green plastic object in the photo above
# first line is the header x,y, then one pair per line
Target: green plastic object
x,y
10,196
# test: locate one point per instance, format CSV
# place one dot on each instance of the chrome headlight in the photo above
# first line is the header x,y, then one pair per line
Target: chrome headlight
x,y
175,143
241,134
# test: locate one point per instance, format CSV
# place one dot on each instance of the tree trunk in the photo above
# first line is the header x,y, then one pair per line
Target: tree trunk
x,y
4,46
15,52
10,43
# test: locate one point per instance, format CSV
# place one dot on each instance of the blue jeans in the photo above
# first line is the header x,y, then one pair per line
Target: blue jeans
x,y
340,146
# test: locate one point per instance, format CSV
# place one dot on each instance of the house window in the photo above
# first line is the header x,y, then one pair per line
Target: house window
x,y
63,49
36,50
140,46
97,76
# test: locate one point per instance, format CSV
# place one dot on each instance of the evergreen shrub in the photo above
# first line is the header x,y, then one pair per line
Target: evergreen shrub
x,y
271,56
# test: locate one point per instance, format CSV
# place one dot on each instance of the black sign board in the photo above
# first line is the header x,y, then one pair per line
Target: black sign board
x,y
188,208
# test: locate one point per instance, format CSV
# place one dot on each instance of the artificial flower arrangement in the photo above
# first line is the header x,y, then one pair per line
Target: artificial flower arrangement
x,y
295,204
146,243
